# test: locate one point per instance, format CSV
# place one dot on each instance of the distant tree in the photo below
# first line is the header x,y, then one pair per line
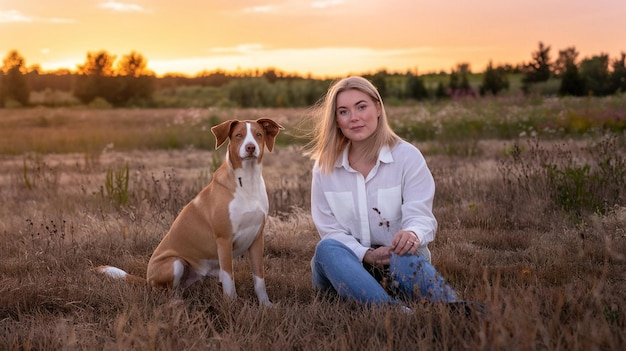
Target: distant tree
x,y
441,92
314,90
571,82
618,76
494,80
133,65
464,72
135,82
249,92
379,79
131,82
60,80
566,58
539,69
511,69
459,81
453,83
93,79
98,64
215,79
13,82
415,88
595,72
270,75
135,90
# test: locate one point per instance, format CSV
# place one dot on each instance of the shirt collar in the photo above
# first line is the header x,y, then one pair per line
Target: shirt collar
x,y
384,156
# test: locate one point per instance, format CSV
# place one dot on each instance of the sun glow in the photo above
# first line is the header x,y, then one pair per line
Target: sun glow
x,y
317,37
316,61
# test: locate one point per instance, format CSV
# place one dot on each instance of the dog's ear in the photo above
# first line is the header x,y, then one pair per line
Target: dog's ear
x,y
271,131
222,131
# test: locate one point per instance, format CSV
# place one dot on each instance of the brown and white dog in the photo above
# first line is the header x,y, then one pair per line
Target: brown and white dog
x,y
224,221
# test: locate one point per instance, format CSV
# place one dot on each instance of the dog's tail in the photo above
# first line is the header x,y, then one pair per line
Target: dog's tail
x,y
116,273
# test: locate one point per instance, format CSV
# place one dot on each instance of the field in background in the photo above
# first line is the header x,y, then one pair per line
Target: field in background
x,y
450,123
530,202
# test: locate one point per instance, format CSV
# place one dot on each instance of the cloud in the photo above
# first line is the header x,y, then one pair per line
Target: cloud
x,y
59,20
14,16
121,7
239,49
324,61
259,51
326,4
293,8
260,9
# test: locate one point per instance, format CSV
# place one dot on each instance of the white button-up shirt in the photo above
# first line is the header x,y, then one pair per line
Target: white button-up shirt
x,y
362,212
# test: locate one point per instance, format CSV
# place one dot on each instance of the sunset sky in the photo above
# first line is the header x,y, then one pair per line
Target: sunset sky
x,y
323,37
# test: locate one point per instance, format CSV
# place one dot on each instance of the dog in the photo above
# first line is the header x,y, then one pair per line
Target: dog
x,y
225,220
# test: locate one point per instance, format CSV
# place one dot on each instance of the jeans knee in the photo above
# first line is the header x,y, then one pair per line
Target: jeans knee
x,y
326,248
330,256
326,244
408,261
411,268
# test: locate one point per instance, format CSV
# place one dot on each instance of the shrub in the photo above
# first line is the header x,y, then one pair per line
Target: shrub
x,y
37,174
494,80
569,187
116,184
578,181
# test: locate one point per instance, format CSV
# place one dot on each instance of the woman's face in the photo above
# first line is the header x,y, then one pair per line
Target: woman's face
x,y
356,114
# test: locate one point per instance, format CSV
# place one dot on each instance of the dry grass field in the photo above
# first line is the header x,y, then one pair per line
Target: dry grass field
x,y
535,229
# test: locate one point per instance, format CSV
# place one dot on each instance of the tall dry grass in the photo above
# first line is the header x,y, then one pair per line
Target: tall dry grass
x,y
552,277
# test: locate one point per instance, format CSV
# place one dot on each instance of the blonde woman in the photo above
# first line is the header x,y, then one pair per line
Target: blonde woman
x,y
371,201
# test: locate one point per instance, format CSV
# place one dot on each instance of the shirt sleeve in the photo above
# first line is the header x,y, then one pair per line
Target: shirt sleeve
x,y
325,221
418,192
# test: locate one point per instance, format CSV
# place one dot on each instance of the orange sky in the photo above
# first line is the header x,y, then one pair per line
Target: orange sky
x,y
323,37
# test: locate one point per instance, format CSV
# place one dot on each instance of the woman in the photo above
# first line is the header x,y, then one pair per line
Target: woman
x,y
371,201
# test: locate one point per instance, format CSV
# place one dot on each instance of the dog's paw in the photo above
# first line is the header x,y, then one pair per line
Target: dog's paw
x,y
266,303
175,302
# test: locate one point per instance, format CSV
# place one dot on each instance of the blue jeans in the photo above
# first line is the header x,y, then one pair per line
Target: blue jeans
x,y
335,266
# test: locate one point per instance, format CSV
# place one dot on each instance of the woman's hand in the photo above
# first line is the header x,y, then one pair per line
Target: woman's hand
x,y
378,256
404,242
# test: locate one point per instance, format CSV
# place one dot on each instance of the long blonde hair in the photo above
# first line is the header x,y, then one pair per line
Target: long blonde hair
x,y
328,141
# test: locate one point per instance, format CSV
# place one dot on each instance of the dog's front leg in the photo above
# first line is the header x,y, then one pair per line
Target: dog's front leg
x,y
225,257
255,254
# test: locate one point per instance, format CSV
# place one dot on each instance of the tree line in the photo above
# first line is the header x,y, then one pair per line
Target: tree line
x,y
597,75
129,82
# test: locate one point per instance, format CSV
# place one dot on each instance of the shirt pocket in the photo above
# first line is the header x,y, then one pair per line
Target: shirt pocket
x,y
342,205
390,203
